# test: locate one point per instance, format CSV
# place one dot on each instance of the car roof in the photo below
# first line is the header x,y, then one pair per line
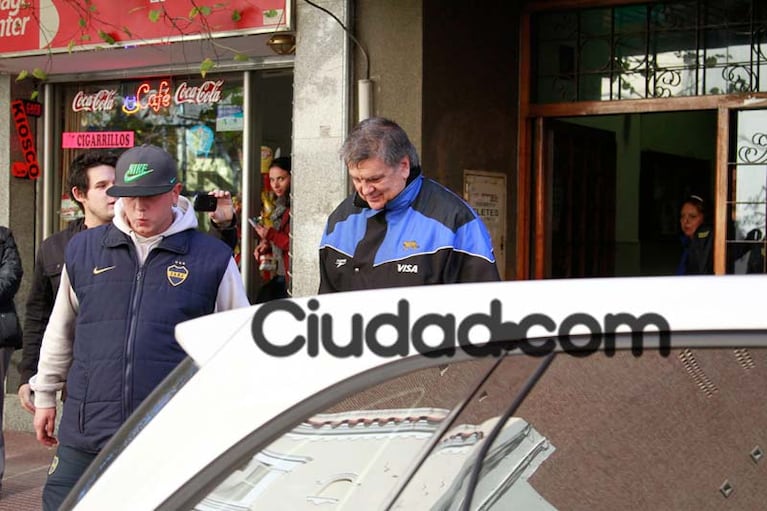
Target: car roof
x,y
240,387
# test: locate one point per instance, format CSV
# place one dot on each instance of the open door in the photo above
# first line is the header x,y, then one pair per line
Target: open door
x,y
579,169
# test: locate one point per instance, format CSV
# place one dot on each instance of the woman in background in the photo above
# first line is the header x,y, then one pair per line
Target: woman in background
x,y
697,238
275,240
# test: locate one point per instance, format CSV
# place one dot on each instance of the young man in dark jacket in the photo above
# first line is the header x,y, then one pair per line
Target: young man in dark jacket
x,y
399,228
91,174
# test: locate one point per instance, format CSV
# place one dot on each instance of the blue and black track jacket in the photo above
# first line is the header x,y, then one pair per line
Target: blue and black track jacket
x,y
425,235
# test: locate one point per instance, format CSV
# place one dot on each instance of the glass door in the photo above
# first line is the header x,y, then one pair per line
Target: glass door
x,y
747,192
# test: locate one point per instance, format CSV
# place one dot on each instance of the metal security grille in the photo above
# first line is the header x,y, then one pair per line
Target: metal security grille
x,y
699,377
652,50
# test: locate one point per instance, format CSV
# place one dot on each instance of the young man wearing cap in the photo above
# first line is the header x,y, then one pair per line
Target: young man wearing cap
x,y
90,176
124,287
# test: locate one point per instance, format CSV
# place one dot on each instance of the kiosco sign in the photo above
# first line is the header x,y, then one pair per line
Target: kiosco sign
x,y
30,167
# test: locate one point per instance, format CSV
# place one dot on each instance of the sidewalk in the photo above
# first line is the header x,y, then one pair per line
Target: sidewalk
x,y
26,467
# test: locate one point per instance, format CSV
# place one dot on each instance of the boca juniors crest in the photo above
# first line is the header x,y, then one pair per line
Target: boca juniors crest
x,y
177,274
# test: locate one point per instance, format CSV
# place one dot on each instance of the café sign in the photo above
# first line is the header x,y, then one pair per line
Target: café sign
x,y
149,97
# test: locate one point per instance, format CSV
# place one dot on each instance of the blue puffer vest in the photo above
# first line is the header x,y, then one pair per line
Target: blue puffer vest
x,y
124,337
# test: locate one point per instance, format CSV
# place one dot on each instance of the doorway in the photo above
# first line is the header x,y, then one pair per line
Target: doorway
x,y
614,184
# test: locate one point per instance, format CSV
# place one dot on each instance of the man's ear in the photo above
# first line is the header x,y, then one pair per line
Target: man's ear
x,y
404,166
78,195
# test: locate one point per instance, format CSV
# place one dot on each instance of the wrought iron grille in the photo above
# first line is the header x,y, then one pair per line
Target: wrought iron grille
x,y
651,50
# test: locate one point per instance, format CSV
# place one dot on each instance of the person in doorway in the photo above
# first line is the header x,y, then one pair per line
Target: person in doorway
x,y
275,240
124,287
11,272
399,228
697,238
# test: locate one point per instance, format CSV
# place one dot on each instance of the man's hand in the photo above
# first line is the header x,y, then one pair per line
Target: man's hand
x,y
224,212
45,422
25,396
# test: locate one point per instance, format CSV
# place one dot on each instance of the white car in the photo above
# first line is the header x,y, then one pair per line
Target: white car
x,y
593,394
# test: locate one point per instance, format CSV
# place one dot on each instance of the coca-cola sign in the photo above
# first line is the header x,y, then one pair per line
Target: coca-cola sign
x,y
208,92
101,101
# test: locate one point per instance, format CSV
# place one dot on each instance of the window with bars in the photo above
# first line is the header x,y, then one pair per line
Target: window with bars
x,y
651,50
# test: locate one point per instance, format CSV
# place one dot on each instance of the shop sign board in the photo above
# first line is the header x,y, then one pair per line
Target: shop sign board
x,y
147,96
36,27
96,139
33,108
486,193
30,167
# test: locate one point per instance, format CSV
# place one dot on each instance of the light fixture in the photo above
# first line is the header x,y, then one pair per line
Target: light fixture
x,y
282,43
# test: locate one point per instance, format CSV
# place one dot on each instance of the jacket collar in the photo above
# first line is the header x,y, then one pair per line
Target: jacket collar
x,y
177,243
404,198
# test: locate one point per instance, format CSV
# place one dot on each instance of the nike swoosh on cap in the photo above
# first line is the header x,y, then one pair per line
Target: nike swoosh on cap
x,y
136,171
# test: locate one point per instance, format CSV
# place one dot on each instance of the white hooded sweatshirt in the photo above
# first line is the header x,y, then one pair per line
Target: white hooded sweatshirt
x,y
56,348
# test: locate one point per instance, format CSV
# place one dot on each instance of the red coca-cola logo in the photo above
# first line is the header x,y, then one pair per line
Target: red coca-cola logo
x,y
100,101
208,92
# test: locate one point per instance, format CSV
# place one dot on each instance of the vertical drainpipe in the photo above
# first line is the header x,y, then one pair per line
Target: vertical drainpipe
x,y
247,158
48,200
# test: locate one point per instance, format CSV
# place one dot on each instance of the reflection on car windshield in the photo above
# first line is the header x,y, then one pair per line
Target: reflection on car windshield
x,y
685,431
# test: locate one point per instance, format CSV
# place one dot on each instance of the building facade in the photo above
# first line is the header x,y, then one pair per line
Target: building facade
x,y
575,126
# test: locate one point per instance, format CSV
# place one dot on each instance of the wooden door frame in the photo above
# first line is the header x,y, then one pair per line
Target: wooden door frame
x,y
531,219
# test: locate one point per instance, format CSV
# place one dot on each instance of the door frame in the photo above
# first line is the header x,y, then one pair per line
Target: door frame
x,y
531,249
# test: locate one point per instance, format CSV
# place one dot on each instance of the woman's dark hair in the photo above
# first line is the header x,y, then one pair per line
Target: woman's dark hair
x,y
696,201
282,162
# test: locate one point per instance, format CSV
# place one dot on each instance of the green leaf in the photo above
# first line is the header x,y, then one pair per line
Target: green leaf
x,y
194,12
39,74
106,37
236,15
85,37
205,10
71,45
22,75
82,22
154,15
206,66
239,57
34,95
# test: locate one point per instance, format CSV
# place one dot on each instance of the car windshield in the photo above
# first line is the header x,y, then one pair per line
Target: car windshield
x,y
678,430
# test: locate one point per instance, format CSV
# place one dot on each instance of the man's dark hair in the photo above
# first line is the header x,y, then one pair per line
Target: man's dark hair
x,y
377,137
78,171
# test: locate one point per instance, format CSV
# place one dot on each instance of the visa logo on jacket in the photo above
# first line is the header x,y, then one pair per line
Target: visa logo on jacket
x,y
407,268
